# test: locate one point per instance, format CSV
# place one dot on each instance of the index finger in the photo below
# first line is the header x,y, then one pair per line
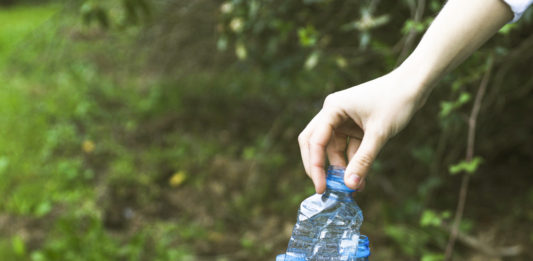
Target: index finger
x,y
326,123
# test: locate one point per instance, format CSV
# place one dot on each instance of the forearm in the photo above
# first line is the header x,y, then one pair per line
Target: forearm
x,y
460,28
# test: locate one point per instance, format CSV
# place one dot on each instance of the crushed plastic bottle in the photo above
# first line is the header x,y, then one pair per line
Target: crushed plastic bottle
x,y
328,225
362,254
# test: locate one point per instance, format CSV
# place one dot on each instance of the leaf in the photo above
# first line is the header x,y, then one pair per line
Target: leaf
x,y
43,208
222,43
240,51
19,246
247,242
435,5
88,146
308,36
432,257
341,62
463,98
3,164
38,256
237,24
416,26
466,166
506,29
430,218
312,60
364,40
446,107
177,179
90,12
226,8
249,153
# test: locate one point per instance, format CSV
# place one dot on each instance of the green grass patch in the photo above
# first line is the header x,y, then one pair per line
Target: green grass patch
x,y
18,21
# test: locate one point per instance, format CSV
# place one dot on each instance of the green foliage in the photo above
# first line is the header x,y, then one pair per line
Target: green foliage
x,y
22,20
446,107
431,218
19,247
115,13
110,152
308,36
507,28
416,26
468,167
432,257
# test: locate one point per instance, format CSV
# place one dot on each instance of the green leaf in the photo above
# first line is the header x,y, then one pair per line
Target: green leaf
x,y
507,28
43,209
435,5
19,246
466,166
446,107
341,62
222,43
415,26
430,218
38,256
247,242
249,153
3,164
240,51
432,257
463,98
308,36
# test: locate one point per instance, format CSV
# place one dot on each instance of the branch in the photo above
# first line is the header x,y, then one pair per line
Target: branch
x,y
472,121
483,247
410,38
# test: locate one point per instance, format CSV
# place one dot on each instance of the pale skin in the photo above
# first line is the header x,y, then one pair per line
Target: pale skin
x,y
355,123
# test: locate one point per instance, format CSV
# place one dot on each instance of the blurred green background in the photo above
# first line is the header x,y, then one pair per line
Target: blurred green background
x,y
166,130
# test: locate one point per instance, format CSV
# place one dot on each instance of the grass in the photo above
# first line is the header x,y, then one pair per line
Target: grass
x,y
69,159
18,21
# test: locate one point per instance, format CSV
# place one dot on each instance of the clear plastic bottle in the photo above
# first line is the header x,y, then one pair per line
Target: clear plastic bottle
x,y
328,225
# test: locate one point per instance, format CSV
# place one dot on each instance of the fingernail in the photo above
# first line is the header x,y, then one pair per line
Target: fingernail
x,y
355,180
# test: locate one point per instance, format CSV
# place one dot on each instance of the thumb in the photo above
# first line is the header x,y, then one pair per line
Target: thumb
x,y
362,160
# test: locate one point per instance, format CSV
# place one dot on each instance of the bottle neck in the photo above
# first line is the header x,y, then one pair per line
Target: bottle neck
x,y
335,182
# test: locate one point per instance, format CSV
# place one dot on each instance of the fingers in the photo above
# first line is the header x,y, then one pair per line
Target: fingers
x,y
363,158
336,149
303,142
318,141
353,145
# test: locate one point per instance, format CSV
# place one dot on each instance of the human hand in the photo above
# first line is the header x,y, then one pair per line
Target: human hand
x,y
356,123
370,113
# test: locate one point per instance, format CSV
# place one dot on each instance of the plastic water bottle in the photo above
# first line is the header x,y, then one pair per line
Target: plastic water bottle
x,y
328,225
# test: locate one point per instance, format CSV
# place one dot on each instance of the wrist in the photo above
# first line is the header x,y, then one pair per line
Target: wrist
x,y
416,83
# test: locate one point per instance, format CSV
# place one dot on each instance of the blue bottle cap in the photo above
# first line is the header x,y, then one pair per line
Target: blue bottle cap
x,y
335,179
363,249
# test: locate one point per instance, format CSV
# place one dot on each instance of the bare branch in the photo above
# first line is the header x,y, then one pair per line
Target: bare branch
x,y
472,121
410,38
484,248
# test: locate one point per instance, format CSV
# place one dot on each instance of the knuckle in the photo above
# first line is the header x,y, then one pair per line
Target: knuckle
x,y
365,161
380,133
330,100
301,138
315,141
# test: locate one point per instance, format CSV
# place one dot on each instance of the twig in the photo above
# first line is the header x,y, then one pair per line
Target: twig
x,y
410,38
483,247
472,120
